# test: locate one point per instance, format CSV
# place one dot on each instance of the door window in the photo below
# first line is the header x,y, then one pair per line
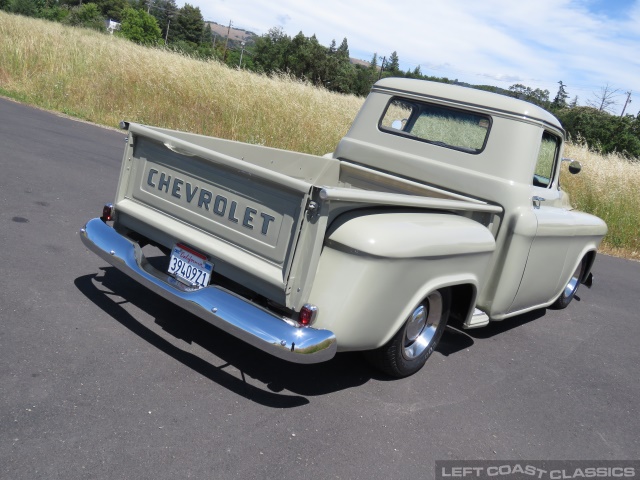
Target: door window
x,y
547,157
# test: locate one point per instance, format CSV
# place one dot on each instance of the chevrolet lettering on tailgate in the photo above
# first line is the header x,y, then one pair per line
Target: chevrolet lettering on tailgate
x,y
220,205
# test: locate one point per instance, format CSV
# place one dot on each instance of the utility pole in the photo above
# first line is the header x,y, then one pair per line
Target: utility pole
x,y
166,35
384,59
241,54
627,102
224,55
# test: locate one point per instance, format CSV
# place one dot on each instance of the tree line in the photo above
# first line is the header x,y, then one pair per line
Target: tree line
x,y
147,22
162,24
593,124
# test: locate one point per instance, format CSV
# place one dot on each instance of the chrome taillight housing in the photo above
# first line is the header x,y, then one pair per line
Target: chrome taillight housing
x,y
307,315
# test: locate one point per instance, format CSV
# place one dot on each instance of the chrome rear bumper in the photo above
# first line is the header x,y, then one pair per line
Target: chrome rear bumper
x,y
231,313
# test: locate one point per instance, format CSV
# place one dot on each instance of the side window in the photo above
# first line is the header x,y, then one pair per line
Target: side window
x,y
549,147
446,127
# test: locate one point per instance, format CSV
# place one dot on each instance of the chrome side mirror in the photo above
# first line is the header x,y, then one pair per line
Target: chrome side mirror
x,y
574,165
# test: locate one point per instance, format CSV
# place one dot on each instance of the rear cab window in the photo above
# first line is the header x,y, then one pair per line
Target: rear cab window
x,y
443,126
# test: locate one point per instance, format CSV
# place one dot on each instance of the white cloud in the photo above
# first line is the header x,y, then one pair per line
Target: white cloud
x,y
491,41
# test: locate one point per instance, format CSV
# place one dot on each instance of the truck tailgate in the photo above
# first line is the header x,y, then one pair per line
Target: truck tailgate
x,y
247,219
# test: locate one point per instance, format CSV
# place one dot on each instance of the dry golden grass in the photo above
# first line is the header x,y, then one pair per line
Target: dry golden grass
x,y
609,187
105,79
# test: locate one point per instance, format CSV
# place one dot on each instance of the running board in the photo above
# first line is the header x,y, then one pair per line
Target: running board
x,y
477,320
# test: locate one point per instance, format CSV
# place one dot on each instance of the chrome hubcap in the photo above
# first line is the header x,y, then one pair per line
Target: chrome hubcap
x,y
573,282
421,327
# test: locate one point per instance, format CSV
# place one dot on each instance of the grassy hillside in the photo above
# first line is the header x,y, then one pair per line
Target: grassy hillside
x,y
105,79
608,186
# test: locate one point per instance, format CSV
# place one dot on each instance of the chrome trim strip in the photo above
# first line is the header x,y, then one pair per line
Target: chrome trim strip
x,y
233,314
399,199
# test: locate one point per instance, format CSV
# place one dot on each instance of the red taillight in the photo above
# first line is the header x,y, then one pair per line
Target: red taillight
x,y
107,212
307,315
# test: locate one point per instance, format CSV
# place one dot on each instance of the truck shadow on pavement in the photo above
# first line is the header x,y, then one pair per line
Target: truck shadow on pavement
x,y
243,369
455,338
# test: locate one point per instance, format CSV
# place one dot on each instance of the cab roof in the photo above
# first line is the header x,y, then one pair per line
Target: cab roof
x,y
467,95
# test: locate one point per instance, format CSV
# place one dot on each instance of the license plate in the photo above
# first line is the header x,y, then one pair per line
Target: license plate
x,y
189,266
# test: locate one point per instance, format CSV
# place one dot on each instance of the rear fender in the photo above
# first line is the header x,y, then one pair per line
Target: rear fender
x,y
376,268
409,234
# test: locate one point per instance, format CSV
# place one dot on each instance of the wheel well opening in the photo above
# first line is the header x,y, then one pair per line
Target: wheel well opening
x,y
462,297
589,258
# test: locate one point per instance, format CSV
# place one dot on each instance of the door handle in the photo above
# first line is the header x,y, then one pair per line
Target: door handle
x,y
537,201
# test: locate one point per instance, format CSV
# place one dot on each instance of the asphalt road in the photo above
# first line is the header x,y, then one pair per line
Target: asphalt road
x,y
100,378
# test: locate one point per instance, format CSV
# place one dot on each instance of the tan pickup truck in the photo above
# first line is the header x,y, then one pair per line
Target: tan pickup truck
x,y
442,204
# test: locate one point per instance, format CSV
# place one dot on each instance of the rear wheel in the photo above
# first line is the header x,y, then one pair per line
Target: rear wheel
x,y
410,348
571,287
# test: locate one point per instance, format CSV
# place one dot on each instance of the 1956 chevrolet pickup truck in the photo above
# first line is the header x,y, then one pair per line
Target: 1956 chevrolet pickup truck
x,y
441,204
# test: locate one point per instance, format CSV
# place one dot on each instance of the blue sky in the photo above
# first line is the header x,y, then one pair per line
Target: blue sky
x,y
616,9
585,43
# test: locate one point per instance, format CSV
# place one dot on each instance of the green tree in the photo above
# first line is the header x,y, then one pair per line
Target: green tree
x,y
54,13
393,65
538,97
184,47
560,100
519,91
373,70
72,3
188,25
53,10
344,80
166,14
86,16
305,57
373,64
141,4
361,80
271,50
139,26
207,35
340,71
28,8
603,132
343,50
111,9
338,74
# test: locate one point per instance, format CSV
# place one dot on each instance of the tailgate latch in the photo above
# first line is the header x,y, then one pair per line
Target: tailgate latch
x,y
312,208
